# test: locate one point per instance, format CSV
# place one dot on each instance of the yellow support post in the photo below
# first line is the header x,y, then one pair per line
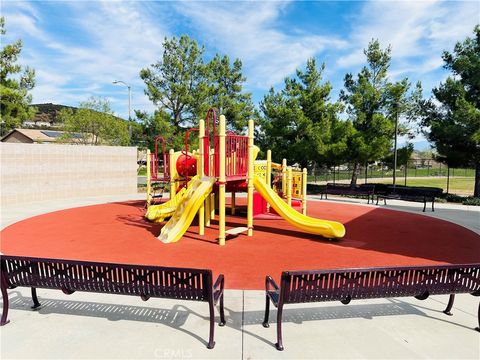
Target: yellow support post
x,y
289,186
304,191
269,173
250,180
201,211
207,211
221,182
212,195
284,178
212,206
173,184
269,167
149,183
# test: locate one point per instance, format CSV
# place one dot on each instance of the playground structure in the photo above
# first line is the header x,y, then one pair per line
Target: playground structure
x,y
198,182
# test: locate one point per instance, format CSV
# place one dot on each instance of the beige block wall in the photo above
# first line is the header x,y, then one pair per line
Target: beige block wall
x,y
38,172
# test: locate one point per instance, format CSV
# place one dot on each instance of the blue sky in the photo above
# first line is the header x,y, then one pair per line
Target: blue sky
x,y
79,47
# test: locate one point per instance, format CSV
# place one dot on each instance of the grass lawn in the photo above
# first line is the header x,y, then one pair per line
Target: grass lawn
x,y
458,185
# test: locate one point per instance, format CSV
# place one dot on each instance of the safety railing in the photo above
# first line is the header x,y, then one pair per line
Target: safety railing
x,y
236,157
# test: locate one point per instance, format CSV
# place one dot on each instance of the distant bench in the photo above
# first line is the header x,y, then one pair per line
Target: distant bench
x,y
369,283
345,189
138,280
408,193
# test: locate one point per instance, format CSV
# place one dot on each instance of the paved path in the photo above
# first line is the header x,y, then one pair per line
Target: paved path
x,y
88,325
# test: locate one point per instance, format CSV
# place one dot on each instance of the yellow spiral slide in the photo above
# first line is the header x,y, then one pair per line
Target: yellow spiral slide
x,y
325,228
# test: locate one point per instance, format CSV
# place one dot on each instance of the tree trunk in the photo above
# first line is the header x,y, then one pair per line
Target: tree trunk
x,y
476,188
356,172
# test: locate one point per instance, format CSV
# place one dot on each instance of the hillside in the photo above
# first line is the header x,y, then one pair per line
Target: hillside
x,y
47,114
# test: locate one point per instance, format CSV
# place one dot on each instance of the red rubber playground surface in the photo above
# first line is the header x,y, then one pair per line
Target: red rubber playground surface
x,y
117,232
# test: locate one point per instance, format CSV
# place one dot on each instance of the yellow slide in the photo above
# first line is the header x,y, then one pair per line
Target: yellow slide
x,y
325,228
197,191
159,212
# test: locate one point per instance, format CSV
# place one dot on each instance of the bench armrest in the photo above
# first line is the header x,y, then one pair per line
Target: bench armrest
x,y
220,283
270,282
218,288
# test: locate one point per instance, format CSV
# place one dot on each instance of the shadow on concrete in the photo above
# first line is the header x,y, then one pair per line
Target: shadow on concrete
x,y
177,316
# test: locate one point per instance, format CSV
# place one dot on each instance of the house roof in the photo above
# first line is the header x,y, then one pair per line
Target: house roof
x,y
39,135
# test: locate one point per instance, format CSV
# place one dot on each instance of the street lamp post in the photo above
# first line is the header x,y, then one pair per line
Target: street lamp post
x,y
395,150
129,96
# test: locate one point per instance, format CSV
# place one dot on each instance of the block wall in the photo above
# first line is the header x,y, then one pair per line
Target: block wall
x,y
39,172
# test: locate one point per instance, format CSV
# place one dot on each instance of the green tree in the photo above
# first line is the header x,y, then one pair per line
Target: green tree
x,y
178,83
93,123
226,85
15,82
184,86
300,123
373,103
404,154
452,117
159,123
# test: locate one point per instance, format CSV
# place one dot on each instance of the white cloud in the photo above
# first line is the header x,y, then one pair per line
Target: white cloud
x,y
114,39
418,31
118,39
247,30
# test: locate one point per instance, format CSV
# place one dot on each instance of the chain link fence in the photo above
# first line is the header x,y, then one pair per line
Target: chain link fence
x,y
417,172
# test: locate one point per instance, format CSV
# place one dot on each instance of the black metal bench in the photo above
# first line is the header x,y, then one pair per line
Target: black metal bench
x,y
407,193
350,284
138,280
345,189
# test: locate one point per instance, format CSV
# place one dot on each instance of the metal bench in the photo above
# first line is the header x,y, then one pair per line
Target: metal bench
x,y
407,193
138,280
368,283
345,189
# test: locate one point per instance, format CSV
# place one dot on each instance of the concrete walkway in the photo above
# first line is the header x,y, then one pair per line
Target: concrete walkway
x,y
99,326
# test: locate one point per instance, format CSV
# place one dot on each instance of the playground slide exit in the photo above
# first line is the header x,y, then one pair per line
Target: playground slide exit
x,y
325,228
197,191
160,212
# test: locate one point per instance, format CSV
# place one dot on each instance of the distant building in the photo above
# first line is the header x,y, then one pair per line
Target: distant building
x,y
33,136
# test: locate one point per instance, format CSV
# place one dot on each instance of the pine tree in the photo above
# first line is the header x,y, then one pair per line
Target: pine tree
x,y
15,82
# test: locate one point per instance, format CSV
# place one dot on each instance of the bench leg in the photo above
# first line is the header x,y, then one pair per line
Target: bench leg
x,y
267,312
279,344
478,315
222,312
4,320
36,303
424,205
433,202
449,305
211,340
